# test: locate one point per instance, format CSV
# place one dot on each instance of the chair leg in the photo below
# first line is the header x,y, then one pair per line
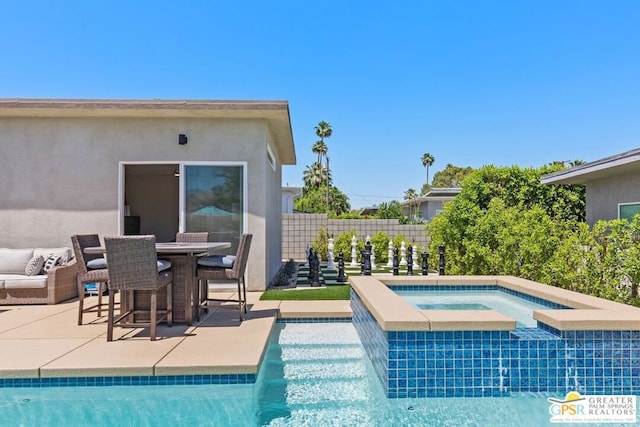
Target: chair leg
x,y
240,299
204,295
170,305
244,292
152,316
100,290
80,301
195,299
110,315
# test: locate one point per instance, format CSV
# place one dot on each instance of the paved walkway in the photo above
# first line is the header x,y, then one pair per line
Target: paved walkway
x,y
45,341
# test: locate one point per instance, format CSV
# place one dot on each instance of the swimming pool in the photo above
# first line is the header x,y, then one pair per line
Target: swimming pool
x,y
313,374
489,298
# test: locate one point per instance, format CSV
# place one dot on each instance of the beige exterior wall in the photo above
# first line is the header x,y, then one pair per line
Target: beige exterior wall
x,y
60,175
604,195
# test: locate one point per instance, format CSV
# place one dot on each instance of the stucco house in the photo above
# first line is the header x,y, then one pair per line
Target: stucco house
x,y
289,196
429,205
117,167
612,185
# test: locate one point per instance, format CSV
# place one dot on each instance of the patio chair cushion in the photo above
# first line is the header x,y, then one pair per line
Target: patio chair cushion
x,y
34,266
223,261
163,265
97,264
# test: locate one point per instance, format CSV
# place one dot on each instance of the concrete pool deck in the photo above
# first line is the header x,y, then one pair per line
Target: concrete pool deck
x,y
44,341
393,313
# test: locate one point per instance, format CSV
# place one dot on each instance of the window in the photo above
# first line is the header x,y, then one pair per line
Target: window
x,y
628,210
271,159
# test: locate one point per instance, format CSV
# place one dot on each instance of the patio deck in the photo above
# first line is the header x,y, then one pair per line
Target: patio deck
x,y
45,342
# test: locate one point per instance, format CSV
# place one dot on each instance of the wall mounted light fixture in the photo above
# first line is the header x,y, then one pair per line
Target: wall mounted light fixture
x,y
182,139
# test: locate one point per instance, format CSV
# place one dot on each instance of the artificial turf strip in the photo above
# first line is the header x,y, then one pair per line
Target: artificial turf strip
x,y
337,292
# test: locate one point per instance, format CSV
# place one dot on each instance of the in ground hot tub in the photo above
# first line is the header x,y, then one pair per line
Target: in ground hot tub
x,y
579,343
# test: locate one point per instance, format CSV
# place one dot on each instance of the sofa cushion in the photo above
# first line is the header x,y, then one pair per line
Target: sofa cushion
x,y
14,261
20,281
34,266
65,254
51,261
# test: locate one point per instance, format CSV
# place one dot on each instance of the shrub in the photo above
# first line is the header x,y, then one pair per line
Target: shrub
x,y
381,242
321,244
343,243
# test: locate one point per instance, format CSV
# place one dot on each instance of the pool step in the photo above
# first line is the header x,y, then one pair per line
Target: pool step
x,y
316,384
344,370
321,334
311,352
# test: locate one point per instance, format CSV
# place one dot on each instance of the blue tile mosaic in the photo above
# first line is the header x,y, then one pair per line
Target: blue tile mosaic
x,y
496,363
129,380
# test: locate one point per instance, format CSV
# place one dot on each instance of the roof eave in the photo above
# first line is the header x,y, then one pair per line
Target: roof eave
x,y
276,113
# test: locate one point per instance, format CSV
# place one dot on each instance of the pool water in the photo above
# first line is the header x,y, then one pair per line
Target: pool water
x,y
519,309
313,375
453,306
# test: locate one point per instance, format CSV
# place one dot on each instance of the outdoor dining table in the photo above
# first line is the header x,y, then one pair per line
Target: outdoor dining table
x,y
183,258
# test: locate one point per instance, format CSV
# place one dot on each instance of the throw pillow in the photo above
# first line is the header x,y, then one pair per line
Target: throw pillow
x,y
51,261
34,266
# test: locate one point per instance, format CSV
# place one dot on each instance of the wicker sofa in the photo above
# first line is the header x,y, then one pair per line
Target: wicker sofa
x,y
22,285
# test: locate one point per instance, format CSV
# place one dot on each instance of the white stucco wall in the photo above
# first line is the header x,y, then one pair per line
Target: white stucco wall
x,y
60,175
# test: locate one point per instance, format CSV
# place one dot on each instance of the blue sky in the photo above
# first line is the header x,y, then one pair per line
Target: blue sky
x,y
471,82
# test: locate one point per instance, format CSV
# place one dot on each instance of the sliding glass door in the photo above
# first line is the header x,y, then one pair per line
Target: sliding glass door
x,y
214,200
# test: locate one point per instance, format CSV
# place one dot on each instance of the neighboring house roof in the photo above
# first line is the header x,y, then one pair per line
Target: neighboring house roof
x,y
368,211
441,194
618,164
275,113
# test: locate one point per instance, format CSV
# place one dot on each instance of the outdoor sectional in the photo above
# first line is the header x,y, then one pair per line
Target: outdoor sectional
x,y
24,279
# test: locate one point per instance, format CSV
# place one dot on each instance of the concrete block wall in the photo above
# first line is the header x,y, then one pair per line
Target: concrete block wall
x,y
300,229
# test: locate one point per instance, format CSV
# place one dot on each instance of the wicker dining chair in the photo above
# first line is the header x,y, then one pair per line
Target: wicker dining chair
x,y
133,268
87,275
235,273
199,237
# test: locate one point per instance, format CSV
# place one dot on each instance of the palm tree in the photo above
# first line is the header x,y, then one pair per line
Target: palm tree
x,y
323,130
315,176
410,194
319,148
427,160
